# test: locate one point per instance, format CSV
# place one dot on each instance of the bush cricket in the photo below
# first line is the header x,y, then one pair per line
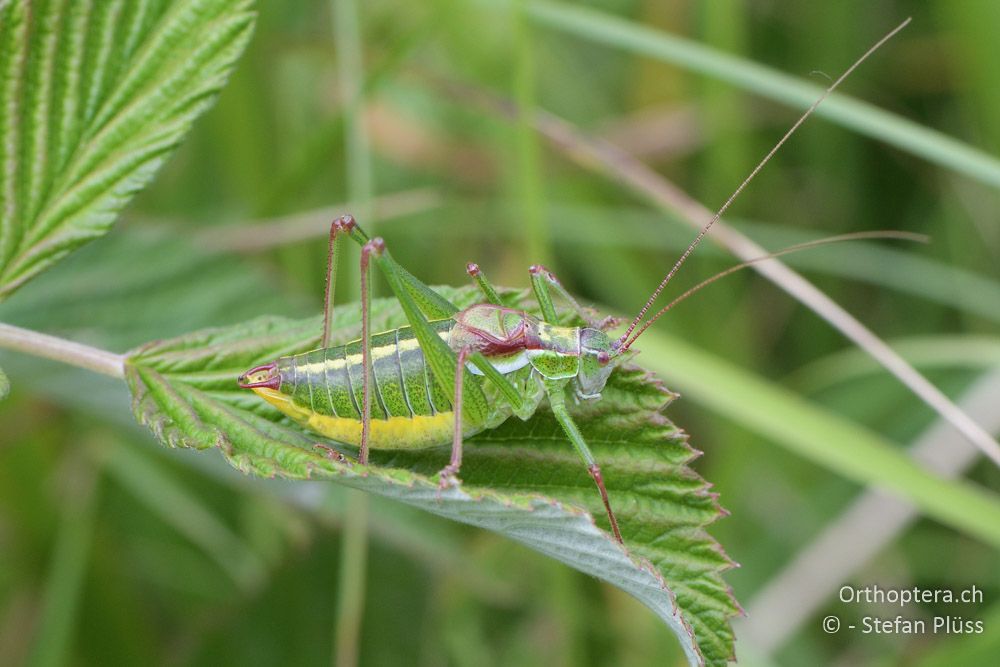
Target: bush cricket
x,y
453,373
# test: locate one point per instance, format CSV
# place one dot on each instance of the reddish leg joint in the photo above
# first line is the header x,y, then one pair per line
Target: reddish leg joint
x,y
345,223
595,473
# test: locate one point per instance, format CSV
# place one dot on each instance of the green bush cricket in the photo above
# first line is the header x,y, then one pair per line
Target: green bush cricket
x,y
453,373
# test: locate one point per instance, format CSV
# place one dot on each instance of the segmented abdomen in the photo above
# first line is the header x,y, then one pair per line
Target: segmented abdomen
x,y
329,381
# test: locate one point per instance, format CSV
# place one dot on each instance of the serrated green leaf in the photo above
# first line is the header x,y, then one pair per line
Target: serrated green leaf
x,y
185,391
93,98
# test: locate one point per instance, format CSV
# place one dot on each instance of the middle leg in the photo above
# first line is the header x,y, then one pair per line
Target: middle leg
x,y
450,472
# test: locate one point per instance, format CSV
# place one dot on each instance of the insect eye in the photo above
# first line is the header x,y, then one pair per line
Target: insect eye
x,y
603,358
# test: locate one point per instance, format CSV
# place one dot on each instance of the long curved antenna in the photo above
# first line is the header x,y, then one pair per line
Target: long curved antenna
x,y
746,181
854,236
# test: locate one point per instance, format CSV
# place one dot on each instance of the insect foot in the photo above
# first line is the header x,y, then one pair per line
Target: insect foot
x,y
448,478
332,453
595,473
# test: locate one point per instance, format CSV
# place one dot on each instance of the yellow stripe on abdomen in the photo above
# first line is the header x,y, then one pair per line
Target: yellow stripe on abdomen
x,y
416,432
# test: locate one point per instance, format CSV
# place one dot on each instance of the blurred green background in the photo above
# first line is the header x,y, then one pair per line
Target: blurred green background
x,y
113,550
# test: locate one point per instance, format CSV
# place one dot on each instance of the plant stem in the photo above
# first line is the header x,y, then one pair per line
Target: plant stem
x,y
528,178
60,349
258,235
352,580
351,587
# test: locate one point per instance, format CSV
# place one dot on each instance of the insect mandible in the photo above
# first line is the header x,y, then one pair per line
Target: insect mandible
x,y
455,372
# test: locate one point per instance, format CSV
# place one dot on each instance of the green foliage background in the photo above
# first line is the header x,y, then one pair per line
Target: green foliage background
x,y
113,550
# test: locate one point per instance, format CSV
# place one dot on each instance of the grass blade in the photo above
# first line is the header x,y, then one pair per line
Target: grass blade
x,y
842,447
68,568
853,114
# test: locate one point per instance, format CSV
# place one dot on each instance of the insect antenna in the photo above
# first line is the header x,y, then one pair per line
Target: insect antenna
x,y
854,236
623,342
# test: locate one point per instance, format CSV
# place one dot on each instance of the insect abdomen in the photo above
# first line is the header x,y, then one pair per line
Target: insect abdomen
x,y
329,381
323,390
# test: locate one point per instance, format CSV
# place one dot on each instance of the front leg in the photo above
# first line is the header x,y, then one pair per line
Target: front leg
x,y
557,400
489,293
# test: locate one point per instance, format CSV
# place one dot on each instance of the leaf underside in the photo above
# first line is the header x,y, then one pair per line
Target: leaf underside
x,y
522,480
94,96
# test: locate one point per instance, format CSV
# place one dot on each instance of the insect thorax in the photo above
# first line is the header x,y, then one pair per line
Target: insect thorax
x,y
512,339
